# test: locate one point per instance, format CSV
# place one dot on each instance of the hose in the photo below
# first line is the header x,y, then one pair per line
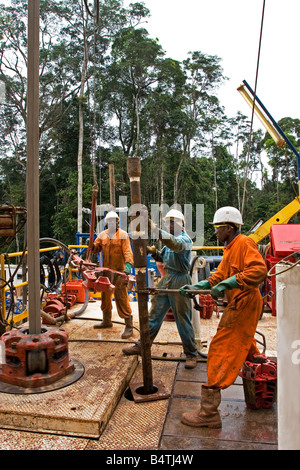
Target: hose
x,y
137,329
289,263
84,306
55,242
158,358
87,295
113,321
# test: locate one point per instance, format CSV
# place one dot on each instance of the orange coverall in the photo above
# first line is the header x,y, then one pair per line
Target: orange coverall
x,y
116,252
234,341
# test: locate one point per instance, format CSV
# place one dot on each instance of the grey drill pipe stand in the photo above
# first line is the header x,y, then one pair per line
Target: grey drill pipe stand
x,y
139,248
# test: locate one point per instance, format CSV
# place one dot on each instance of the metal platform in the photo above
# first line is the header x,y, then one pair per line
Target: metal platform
x,y
98,413
242,428
80,409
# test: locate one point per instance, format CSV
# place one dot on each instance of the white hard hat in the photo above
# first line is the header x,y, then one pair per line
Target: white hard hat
x,y
111,215
174,214
228,214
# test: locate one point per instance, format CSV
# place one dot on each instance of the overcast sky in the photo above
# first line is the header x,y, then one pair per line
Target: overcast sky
x,y
230,29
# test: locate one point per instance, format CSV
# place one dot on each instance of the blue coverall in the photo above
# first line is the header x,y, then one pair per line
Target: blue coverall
x,y
176,256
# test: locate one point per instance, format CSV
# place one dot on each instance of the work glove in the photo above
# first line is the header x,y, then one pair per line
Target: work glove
x,y
202,285
228,284
127,269
151,250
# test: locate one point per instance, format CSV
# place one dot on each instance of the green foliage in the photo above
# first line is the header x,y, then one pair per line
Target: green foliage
x,y
136,101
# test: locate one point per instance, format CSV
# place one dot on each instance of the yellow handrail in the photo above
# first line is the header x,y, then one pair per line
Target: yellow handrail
x,y
4,288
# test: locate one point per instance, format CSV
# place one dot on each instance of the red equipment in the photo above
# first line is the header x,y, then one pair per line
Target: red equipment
x,y
97,284
105,280
207,305
7,221
56,305
285,240
34,360
101,279
75,288
260,382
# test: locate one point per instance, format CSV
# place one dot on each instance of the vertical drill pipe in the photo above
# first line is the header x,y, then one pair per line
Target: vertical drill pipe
x,y
33,224
139,248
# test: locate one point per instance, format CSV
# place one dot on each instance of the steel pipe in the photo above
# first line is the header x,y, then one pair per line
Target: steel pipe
x,y
33,224
139,248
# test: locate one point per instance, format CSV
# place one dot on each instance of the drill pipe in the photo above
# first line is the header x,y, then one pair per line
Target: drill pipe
x,y
153,291
139,248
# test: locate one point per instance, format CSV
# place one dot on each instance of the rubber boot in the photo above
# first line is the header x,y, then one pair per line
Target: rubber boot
x,y
132,350
128,330
208,415
135,349
190,362
106,322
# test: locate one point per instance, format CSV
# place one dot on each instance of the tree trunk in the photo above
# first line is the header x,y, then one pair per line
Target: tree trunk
x,y
185,151
136,101
81,135
215,172
79,168
237,172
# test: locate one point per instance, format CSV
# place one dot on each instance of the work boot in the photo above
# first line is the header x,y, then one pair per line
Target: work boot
x,y
190,362
106,322
128,330
131,350
208,415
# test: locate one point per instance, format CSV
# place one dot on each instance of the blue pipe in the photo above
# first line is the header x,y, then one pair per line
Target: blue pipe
x,y
277,127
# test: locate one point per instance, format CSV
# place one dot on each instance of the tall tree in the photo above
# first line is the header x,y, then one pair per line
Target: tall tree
x,y
204,75
164,121
133,70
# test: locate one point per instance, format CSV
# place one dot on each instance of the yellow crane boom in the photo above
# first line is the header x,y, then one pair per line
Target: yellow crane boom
x,y
282,217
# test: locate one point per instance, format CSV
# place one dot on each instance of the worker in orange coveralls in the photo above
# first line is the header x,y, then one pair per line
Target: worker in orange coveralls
x,y
240,272
117,255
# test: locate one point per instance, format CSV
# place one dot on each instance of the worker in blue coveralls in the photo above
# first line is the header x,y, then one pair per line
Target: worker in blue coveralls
x,y
176,256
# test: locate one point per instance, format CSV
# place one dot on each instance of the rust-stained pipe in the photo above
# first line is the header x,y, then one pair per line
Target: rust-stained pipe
x,y
32,172
139,248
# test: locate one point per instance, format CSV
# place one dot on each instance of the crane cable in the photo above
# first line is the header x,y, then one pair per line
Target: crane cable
x,y
252,115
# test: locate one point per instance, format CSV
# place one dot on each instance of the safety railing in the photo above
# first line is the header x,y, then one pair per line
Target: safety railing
x,y
4,289
19,317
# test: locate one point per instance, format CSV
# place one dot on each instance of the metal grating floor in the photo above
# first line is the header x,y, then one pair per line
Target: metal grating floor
x,y
82,408
94,412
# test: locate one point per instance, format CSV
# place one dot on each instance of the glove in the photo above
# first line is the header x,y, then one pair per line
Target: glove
x,y
151,250
127,269
227,284
202,285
